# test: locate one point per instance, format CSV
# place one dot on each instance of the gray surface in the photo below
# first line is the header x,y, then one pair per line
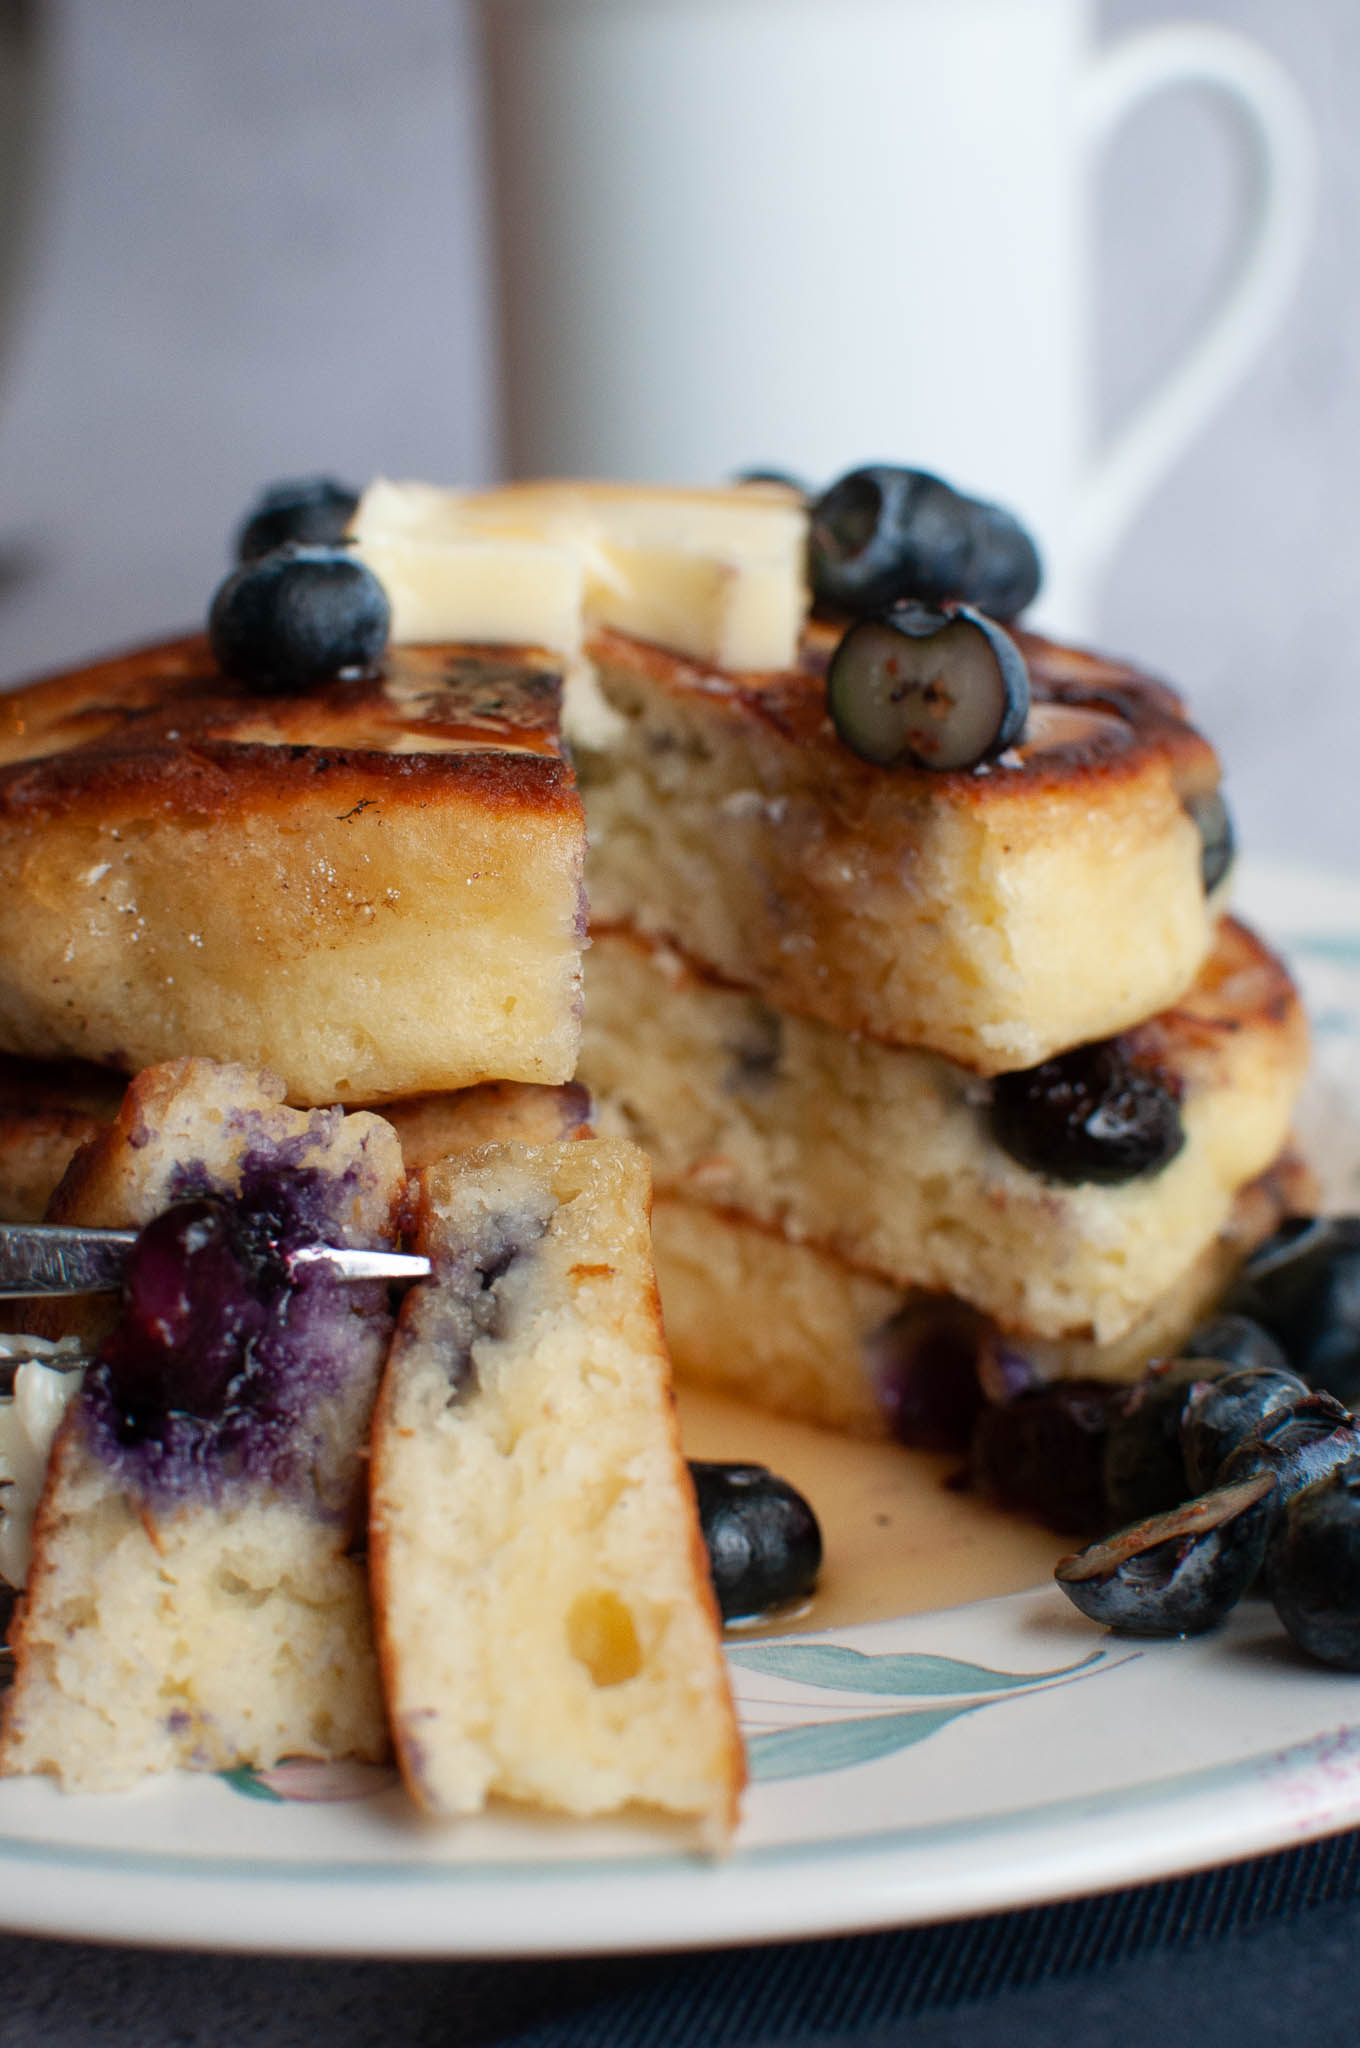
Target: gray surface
x,y
260,252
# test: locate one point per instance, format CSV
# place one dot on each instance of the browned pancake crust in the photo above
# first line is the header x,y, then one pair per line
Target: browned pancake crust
x,y
372,888
162,724
1093,720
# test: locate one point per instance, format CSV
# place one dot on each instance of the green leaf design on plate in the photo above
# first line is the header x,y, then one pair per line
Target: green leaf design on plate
x,y
906,1674
835,1745
1342,946
249,1784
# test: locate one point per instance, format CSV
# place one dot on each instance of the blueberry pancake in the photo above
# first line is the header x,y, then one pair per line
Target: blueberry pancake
x,y
792,1328
194,1599
545,1619
997,914
48,1111
1062,1202
372,888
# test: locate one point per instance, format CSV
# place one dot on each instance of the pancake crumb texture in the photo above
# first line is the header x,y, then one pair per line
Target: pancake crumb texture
x,y
995,918
546,1622
193,1598
883,1155
792,1328
374,890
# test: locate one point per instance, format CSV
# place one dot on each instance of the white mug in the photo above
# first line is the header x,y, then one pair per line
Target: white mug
x,y
807,234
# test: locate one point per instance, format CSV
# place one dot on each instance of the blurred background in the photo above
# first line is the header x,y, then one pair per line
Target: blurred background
x,y
255,245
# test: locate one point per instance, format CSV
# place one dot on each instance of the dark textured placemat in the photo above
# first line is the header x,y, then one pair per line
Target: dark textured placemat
x,y
1267,1950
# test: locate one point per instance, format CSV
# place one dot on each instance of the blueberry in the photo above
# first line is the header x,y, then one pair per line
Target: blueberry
x,y
1315,1568
315,509
919,688
1303,1285
772,476
1299,1444
1225,1412
1218,843
925,1363
1237,1341
1145,1471
193,1291
299,616
1179,1573
1042,1453
764,1544
882,534
1089,1115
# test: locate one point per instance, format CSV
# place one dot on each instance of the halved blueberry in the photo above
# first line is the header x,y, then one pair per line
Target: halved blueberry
x,y
763,1539
1087,1116
315,509
882,534
1179,1573
299,616
918,688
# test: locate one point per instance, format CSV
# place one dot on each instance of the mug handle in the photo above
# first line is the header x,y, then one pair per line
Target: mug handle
x,y
1272,119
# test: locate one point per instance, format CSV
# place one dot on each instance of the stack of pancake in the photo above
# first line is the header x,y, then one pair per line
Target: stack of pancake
x,y
813,981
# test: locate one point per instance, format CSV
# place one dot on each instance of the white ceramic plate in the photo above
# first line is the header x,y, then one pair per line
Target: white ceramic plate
x,y
996,1754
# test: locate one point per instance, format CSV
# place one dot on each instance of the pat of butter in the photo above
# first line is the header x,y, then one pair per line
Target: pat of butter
x,y
717,575
448,579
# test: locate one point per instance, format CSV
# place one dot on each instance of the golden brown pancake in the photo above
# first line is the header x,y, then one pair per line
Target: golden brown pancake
x,y
997,914
373,889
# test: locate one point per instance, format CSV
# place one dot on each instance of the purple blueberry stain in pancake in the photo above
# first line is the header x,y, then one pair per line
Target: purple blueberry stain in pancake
x,y
466,1299
224,1367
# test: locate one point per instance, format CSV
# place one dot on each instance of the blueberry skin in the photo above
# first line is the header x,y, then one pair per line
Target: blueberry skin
x,y
1303,1285
881,534
1144,1471
1042,1454
924,1364
1218,841
314,509
1087,1116
921,688
763,1540
1225,1412
1315,1568
1236,1341
297,617
1180,1573
1300,1445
